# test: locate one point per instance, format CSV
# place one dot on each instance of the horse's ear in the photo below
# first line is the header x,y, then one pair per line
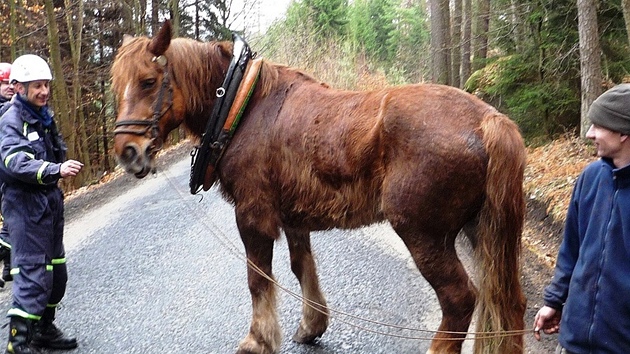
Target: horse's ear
x,y
159,44
126,39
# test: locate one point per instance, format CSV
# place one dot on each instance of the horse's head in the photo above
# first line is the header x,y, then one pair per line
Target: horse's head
x,y
150,105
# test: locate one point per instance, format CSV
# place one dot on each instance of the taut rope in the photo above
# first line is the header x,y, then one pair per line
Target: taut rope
x,y
219,235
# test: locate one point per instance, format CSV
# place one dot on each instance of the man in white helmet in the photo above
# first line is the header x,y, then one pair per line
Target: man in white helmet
x,y
33,160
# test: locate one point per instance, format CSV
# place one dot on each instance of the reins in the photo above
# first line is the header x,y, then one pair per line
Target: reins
x,y
152,125
232,248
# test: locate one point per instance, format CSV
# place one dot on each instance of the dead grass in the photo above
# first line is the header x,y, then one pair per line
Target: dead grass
x,y
552,170
550,174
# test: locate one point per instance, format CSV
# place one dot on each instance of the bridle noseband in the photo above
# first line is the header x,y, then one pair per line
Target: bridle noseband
x,y
152,125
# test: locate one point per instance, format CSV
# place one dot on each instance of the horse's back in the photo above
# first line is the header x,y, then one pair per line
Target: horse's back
x,y
341,159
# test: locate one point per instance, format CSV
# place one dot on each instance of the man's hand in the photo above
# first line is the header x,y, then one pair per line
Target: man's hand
x,y
547,319
70,168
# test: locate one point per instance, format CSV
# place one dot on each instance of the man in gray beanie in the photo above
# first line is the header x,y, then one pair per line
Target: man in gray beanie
x,y
612,109
588,296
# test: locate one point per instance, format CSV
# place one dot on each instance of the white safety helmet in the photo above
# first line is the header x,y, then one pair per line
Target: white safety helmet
x,y
29,67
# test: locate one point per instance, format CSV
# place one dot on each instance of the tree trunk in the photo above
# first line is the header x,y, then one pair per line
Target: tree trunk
x,y
482,26
175,21
12,27
127,17
61,101
456,43
75,36
440,39
625,5
103,154
466,38
139,9
518,22
155,17
176,18
590,59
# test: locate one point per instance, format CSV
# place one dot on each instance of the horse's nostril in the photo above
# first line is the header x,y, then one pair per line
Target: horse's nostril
x,y
128,154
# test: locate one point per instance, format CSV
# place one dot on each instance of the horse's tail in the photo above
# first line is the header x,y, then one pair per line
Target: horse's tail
x,y
501,303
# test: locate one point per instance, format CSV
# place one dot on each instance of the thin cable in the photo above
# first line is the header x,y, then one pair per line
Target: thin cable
x,y
234,249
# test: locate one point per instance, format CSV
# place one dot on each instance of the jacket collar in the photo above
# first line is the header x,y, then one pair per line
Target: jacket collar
x,y
623,172
25,113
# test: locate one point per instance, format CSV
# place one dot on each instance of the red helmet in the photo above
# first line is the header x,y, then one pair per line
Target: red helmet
x,y
5,71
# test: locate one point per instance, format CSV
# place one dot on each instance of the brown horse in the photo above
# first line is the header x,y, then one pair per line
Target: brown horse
x,y
431,160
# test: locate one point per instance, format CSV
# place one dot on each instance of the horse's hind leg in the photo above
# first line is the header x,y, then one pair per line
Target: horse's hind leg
x,y
436,258
265,334
314,320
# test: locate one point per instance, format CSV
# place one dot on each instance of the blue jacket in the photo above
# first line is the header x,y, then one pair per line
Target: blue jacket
x,y
591,284
31,154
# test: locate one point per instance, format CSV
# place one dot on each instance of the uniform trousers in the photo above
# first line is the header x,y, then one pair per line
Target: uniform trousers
x,y
35,217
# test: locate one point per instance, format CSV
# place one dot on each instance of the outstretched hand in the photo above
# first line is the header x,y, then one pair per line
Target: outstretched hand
x,y
547,319
70,168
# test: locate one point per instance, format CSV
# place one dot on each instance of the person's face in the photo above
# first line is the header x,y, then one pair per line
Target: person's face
x,y
36,92
607,142
6,90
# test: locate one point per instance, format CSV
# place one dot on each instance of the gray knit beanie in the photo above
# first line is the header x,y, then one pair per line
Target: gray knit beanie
x,y
611,110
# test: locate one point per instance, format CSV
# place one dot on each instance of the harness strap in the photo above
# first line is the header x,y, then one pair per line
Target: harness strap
x,y
231,123
245,91
232,98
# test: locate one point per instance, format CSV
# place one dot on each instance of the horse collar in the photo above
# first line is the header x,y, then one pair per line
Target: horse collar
x,y
232,98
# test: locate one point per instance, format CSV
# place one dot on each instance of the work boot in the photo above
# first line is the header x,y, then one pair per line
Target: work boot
x,y
5,257
6,270
19,337
47,335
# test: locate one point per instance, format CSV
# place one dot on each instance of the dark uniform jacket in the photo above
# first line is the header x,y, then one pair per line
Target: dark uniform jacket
x,y
31,152
4,105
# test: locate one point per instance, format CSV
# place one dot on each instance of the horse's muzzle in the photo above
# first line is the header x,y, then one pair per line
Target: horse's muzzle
x,y
136,160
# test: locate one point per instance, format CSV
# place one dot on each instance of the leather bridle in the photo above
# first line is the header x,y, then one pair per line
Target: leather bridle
x,y
152,125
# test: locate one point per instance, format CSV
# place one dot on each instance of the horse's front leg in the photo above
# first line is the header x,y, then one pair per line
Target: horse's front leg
x,y
314,320
265,333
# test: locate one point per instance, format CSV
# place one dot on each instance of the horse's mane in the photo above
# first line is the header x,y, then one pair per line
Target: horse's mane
x,y
198,68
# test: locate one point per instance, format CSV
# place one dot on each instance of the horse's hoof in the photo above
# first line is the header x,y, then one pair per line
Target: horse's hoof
x,y
243,351
303,337
249,345
246,351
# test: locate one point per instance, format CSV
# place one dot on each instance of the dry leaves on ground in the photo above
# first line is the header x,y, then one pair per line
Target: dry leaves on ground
x,y
552,170
550,174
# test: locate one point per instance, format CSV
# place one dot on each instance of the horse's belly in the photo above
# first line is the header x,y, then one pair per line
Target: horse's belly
x,y
349,206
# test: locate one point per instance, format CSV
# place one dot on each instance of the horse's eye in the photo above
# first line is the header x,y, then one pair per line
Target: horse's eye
x,y
147,84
